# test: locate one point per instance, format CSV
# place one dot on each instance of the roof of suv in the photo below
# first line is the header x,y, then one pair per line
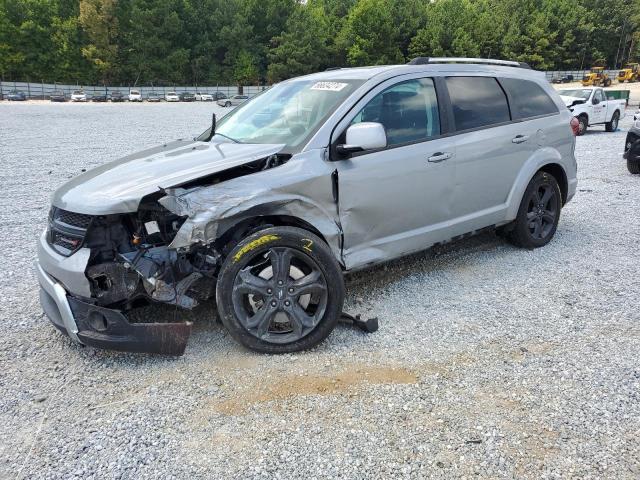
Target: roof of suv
x,y
436,65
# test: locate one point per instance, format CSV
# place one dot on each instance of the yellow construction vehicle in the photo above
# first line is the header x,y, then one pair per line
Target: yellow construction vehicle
x,y
630,73
596,78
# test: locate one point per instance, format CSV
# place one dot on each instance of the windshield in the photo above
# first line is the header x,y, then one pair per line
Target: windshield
x,y
583,93
78,92
286,113
135,92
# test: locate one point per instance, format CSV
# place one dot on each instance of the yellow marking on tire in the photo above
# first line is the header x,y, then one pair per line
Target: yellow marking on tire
x,y
307,245
252,245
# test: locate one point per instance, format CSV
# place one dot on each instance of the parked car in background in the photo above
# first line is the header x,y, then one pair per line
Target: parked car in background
x,y
171,97
632,148
218,96
100,97
78,96
58,96
187,97
233,101
592,107
154,97
135,96
16,96
204,97
118,96
269,207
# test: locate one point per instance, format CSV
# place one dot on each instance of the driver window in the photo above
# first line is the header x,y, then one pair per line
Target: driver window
x,y
598,95
408,111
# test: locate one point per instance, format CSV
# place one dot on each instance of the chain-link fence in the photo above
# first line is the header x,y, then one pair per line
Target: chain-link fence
x,y
42,91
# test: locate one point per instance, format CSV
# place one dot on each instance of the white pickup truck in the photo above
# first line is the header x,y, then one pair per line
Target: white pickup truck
x,y
592,107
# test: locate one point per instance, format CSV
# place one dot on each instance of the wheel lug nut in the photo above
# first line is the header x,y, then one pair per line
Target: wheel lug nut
x,y
280,282
274,303
287,303
269,291
290,290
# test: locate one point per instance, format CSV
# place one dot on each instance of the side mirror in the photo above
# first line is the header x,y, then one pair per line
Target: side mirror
x,y
363,136
595,101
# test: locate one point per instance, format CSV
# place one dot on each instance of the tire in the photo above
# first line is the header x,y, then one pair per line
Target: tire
x,y
584,124
612,126
538,214
260,302
607,82
633,167
227,104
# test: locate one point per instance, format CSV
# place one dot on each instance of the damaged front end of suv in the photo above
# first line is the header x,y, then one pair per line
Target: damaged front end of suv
x,y
155,227
95,268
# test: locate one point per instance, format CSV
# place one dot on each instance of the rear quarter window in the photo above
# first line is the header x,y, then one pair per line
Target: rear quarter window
x,y
528,98
477,102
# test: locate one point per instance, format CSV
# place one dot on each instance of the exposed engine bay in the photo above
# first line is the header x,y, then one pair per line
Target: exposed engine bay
x,y
131,262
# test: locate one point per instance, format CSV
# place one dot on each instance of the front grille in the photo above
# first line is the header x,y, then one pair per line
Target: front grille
x,y
67,230
73,219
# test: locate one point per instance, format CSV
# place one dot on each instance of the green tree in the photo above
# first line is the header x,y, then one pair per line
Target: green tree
x,y
99,21
303,47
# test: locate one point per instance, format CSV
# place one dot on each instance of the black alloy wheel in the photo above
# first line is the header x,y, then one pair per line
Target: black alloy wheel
x,y
280,290
539,213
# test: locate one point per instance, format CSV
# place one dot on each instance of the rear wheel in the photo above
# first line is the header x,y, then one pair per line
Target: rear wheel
x,y
538,214
582,125
612,126
280,290
633,167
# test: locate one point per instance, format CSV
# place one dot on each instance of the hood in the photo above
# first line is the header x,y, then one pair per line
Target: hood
x,y
568,101
118,187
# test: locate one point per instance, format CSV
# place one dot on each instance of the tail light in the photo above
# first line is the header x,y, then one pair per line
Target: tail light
x,y
575,125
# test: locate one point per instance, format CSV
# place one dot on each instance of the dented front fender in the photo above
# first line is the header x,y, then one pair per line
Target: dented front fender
x,y
301,188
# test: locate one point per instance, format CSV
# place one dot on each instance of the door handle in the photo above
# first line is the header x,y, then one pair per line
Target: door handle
x,y
520,138
439,157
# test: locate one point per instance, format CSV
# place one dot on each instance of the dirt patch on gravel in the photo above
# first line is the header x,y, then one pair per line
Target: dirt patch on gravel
x,y
312,384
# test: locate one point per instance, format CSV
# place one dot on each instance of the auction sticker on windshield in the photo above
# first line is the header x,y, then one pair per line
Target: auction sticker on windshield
x,y
331,86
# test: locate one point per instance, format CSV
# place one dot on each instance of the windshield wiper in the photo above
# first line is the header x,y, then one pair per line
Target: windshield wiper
x,y
225,136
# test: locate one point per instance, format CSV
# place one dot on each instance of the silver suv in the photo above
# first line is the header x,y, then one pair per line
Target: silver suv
x,y
318,175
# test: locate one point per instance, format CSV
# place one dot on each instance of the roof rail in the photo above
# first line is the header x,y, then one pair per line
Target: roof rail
x,y
483,61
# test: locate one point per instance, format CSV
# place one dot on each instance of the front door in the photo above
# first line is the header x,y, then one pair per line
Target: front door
x,y
599,110
395,200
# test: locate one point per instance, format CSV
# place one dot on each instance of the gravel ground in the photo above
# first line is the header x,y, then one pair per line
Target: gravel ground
x,y
490,361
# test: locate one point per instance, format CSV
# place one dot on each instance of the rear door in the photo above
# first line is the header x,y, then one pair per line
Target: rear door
x,y
396,200
490,149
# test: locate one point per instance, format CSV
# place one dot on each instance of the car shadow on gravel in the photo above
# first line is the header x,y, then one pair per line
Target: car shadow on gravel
x,y
209,335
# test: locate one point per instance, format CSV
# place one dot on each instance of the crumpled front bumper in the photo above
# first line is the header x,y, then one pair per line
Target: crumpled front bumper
x,y
89,324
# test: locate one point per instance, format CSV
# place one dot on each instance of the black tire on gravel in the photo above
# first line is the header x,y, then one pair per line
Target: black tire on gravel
x,y
612,126
584,124
633,167
538,214
280,290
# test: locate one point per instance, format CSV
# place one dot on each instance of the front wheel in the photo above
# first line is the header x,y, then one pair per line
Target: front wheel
x,y
280,290
538,214
227,104
612,126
